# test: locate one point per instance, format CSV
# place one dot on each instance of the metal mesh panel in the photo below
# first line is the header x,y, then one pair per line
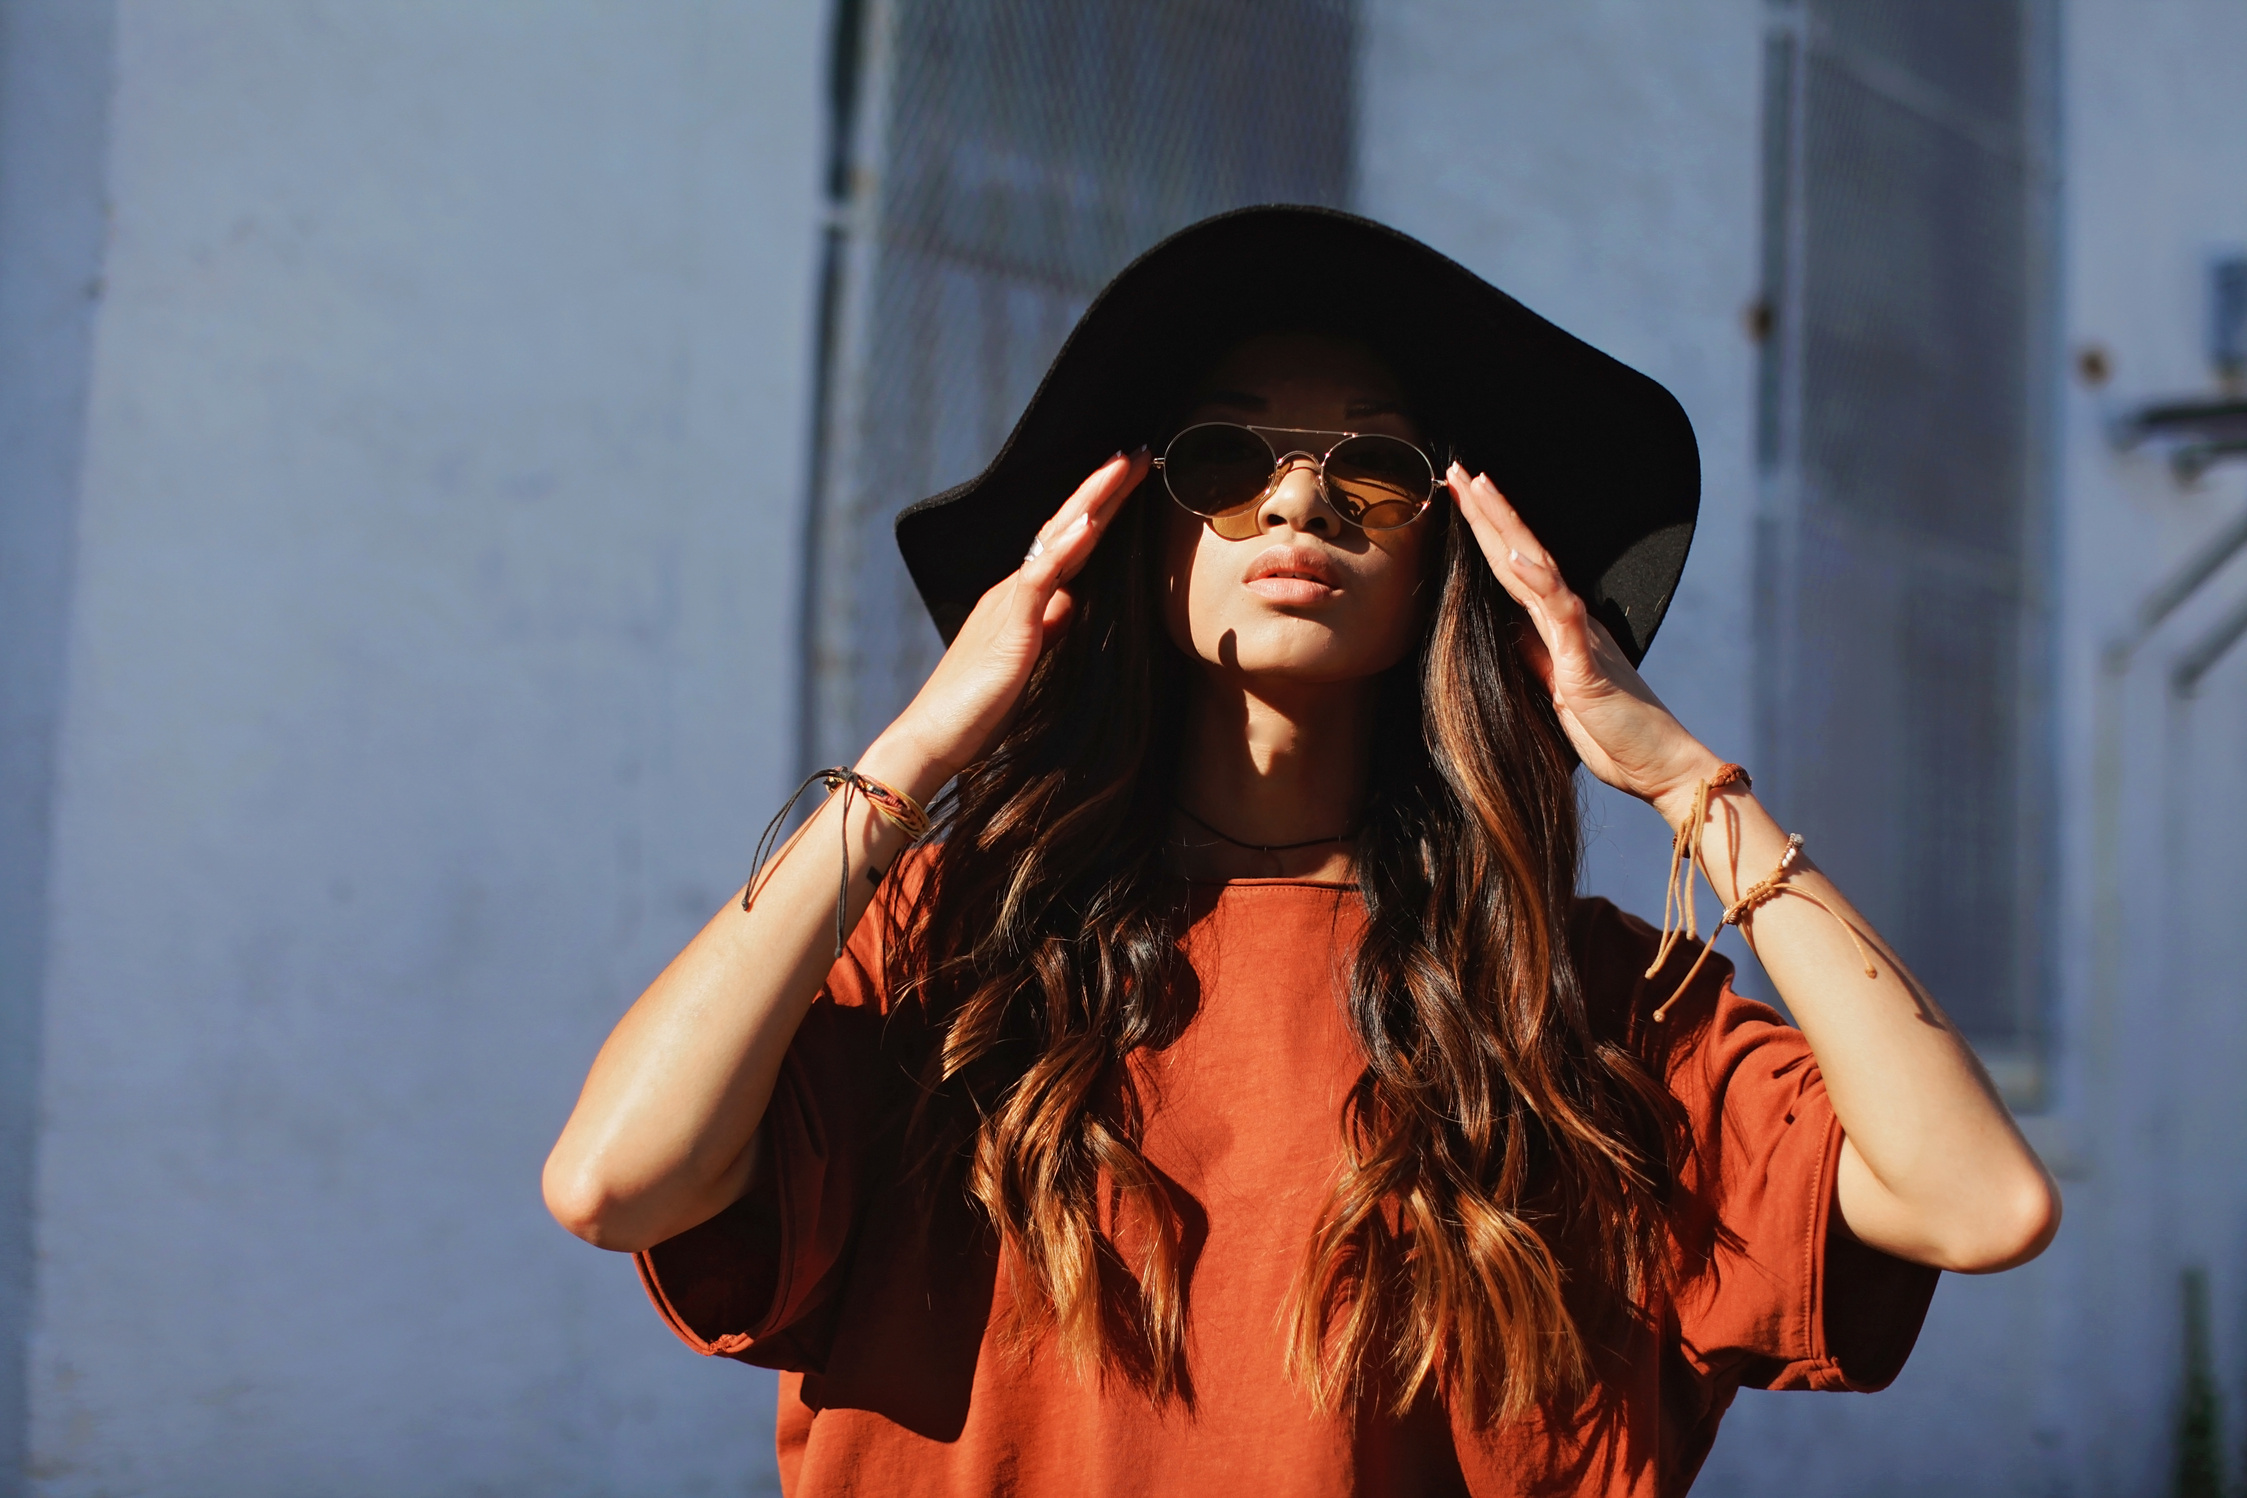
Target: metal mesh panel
x,y
1902,735
1963,60
1028,151
1961,656
1914,319
1900,467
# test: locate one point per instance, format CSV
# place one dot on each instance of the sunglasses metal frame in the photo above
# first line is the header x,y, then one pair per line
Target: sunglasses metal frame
x,y
1281,460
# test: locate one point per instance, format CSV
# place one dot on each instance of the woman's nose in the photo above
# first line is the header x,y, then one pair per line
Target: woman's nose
x,y
1296,501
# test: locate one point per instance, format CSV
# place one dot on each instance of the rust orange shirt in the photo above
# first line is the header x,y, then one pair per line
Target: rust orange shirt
x,y
897,1379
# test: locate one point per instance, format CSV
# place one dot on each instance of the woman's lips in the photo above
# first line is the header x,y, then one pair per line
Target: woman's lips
x,y
1291,590
1292,575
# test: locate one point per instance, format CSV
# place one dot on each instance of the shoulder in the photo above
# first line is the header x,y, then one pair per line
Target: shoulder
x,y
1611,947
861,976
1742,1073
908,878
1614,955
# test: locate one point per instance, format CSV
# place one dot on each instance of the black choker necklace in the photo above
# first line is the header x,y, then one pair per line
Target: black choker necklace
x,y
1309,842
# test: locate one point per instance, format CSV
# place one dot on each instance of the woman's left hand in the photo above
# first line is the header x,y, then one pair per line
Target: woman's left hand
x,y
1620,728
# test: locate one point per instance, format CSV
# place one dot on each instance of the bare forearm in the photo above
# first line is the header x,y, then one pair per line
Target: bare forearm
x,y
661,1136
1933,1168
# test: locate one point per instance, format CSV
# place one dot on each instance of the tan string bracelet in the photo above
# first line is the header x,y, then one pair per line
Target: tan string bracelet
x,y
1679,921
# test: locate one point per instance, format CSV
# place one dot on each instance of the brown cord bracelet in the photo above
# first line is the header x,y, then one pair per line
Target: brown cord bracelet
x,y
1679,921
890,804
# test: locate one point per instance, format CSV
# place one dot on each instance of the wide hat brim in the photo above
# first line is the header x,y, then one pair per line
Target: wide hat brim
x,y
1599,459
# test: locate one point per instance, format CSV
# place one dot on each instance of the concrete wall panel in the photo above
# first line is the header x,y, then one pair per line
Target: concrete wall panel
x,y
432,665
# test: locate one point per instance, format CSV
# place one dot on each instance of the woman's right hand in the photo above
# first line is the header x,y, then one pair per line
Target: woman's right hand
x,y
965,705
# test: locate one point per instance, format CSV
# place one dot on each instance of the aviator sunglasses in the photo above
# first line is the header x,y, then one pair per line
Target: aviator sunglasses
x,y
1223,472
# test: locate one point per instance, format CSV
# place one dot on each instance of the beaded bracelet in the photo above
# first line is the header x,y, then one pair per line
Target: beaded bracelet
x,y
890,804
1685,862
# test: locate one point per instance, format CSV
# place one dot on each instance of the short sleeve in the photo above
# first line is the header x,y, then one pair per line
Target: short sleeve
x,y
1779,1294
1771,1289
758,1281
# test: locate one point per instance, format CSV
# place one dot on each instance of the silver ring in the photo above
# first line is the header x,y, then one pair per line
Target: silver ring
x,y
1037,549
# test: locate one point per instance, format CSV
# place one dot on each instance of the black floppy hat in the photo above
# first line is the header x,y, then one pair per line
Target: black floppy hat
x,y
1598,458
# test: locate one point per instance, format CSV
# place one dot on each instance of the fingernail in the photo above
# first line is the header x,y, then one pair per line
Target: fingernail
x,y
1521,561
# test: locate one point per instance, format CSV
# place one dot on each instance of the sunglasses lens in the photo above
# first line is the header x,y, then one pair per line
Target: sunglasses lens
x,y
1379,482
1217,467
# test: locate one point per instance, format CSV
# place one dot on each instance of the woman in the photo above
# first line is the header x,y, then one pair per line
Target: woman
x,y
1232,1092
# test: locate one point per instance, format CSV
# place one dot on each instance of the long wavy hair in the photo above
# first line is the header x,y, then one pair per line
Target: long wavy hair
x,y
1503,1158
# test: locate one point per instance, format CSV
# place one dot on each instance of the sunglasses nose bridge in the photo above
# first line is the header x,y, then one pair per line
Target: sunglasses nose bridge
x,y
1284,464
1320,498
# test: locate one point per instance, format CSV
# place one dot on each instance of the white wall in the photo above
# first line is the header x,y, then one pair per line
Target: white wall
x,y
430,665
2153,1113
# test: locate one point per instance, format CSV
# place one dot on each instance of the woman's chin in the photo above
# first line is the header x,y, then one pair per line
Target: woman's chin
x,y
1300,652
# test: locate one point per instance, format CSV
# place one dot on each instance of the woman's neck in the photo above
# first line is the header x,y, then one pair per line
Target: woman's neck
x,y
1268,765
